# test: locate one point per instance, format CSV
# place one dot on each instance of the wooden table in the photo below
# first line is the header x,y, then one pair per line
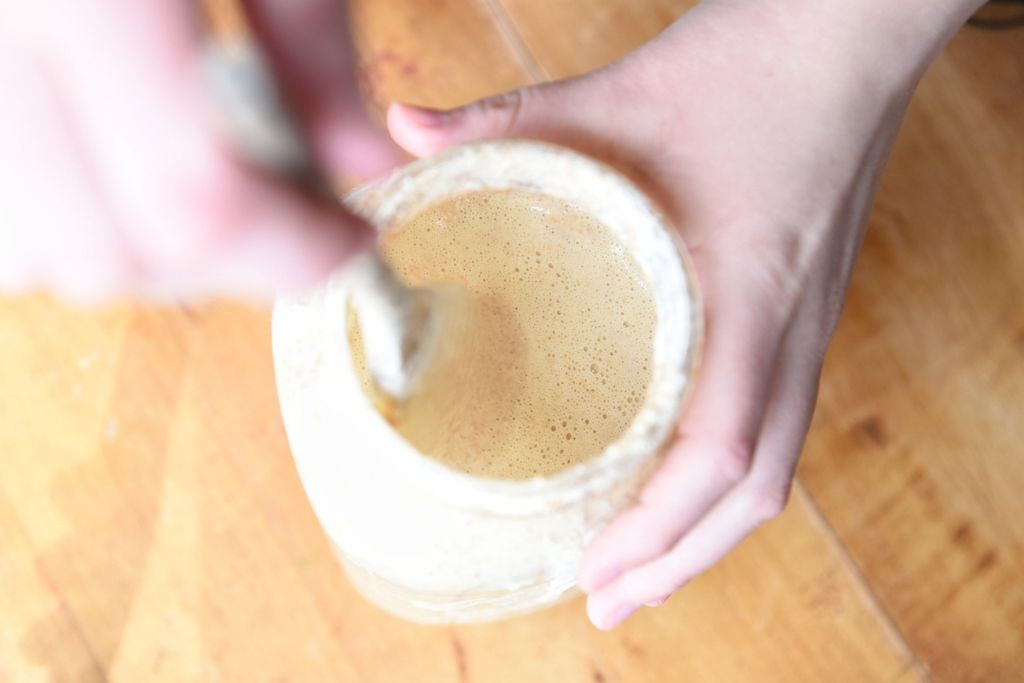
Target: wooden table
x,y
152,527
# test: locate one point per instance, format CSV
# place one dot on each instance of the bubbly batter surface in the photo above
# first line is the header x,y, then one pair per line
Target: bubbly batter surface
x,y
548,329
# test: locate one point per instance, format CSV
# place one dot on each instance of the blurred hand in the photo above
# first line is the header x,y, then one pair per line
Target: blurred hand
x,y
113,180
762,128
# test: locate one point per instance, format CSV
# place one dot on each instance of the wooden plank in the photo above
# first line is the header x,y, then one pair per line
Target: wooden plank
x,y
915,456
40,638
433,54
87,401
152,482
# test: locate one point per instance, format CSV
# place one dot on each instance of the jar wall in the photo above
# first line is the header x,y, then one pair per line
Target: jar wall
x,y
429,543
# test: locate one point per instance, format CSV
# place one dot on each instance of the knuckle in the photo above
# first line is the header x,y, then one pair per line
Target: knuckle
x,y
732,461
655,492
765,503
781,268
776,279
506,110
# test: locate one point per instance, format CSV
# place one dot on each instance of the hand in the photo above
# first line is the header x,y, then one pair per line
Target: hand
x,y
113,179
762,128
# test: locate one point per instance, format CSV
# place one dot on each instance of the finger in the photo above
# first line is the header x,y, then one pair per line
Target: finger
x,y
759,498
718,432
289,242
183,200
723,528
572,112
288,246
56,230
130,74
310,44
519,113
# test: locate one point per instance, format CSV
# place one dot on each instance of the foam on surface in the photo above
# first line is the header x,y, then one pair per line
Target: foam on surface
x,y
547,334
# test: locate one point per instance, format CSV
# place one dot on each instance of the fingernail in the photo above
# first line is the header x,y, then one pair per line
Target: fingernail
x,y
656,603
428,117
614,618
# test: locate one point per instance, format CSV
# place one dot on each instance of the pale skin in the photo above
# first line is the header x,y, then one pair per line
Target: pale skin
x,y
762,127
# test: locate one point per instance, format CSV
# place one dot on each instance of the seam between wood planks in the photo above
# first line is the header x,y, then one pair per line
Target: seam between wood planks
x,y
889,624
65,608
511,34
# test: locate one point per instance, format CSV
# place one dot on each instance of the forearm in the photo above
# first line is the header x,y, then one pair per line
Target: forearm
x,y
897,38
862,58
903,36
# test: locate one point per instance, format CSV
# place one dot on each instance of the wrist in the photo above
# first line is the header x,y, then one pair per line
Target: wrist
x,y
903,37
865,57
894,41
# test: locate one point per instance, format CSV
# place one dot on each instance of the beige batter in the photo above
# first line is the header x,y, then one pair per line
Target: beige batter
x,y
548,332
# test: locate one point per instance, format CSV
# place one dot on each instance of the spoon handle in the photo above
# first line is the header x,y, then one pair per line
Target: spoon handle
x,y
258,120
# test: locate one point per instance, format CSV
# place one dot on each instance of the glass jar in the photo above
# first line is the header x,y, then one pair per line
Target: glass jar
x,y
422,540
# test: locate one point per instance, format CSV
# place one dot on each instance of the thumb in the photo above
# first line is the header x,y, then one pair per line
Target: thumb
x,y
422,131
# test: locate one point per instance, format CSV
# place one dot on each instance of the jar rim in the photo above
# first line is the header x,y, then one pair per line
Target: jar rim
x,y
598,190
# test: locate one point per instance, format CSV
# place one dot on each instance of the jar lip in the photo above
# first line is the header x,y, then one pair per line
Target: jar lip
x,y
608,196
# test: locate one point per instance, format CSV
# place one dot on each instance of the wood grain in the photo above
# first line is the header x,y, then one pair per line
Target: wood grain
x,y
152,525
916,454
